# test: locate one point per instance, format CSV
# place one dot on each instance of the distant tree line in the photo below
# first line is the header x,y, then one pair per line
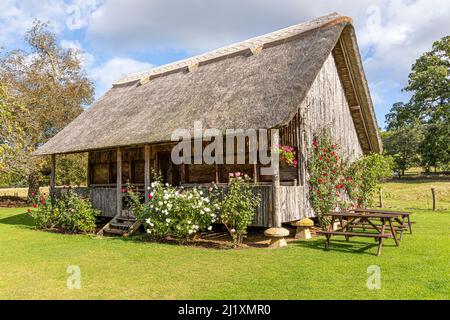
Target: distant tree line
x,y
418,132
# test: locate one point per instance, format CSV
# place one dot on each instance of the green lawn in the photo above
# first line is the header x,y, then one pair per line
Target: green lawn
x,y
33,264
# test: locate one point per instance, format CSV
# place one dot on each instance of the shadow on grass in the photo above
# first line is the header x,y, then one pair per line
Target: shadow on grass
x,y
22,219
203,241
353,247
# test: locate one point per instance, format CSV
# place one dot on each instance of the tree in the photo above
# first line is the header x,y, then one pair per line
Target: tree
x,y
11,135
53,87
419,131
403,145
429,81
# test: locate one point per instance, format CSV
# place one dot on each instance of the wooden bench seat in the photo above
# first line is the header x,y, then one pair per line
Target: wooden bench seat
x,y
354,234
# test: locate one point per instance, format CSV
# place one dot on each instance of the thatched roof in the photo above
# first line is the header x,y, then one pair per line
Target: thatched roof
x,y
258,83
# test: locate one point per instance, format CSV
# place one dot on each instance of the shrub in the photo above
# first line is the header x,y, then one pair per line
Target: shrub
x,y
336,183
328,179
44,215
238,207
173,211
367,172
68,212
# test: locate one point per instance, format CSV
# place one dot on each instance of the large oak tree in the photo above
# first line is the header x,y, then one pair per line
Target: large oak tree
x,y
53,87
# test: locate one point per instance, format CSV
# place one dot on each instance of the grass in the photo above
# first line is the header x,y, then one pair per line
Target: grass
x,y
33,263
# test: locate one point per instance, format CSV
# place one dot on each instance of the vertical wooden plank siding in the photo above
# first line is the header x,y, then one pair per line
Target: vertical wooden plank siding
x,y
262,216
105,200
119,182
147,171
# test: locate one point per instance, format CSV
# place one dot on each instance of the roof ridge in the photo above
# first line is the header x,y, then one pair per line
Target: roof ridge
x,y
255,43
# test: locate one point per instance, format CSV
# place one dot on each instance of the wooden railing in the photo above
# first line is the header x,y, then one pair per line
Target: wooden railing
x,y
104,199
294,203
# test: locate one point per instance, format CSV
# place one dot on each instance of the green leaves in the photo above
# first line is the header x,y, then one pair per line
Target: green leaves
x,y
238,207
419,131
173,211
336,183
68,212
12,135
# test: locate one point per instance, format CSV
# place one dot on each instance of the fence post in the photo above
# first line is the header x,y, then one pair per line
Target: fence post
x,y
381,198
433,192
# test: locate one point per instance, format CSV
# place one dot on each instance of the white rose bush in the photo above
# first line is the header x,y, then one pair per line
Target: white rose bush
x,y
176,212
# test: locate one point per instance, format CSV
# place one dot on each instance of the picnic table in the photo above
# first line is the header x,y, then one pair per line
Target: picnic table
x,y
377,222
404,222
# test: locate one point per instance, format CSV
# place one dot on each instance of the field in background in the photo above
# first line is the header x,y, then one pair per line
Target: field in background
x,y
416,194
19,192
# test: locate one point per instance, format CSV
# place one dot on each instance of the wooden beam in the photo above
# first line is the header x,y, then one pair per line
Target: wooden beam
x,y
147,171
52,174
119,181
276,180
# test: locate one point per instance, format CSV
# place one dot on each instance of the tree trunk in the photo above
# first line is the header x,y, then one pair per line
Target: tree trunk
x,y
33,184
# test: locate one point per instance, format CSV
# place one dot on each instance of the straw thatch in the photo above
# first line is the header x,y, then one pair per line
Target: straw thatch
x,y
258,83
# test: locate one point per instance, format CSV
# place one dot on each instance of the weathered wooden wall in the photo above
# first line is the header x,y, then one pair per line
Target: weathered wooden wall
x,y
104,199
325,107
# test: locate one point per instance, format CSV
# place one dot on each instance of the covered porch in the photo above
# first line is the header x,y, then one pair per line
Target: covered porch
x,y
284,196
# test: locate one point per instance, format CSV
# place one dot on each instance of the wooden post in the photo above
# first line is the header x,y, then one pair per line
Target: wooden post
x,y
276,180
255,173
433,192
52,174
216,167
147,171
299,153
380,196
119,181
88,174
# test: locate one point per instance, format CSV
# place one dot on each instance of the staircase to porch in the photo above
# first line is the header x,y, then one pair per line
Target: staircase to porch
x,y
122,225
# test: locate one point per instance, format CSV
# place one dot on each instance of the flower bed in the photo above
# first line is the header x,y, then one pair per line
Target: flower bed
x,y
181,213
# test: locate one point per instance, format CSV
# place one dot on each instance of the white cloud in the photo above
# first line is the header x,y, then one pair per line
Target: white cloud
x,y
17,16
114,69
391,33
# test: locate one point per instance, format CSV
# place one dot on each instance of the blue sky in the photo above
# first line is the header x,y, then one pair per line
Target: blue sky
x,y
117,37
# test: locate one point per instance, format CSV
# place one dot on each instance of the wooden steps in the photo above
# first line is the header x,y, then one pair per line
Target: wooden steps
x,y
121,225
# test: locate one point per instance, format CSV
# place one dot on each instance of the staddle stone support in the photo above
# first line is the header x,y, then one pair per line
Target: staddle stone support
x,y
119,181
147,172
275,137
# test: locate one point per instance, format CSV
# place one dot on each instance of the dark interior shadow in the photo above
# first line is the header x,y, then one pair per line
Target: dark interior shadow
x,y
22,219
358,247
